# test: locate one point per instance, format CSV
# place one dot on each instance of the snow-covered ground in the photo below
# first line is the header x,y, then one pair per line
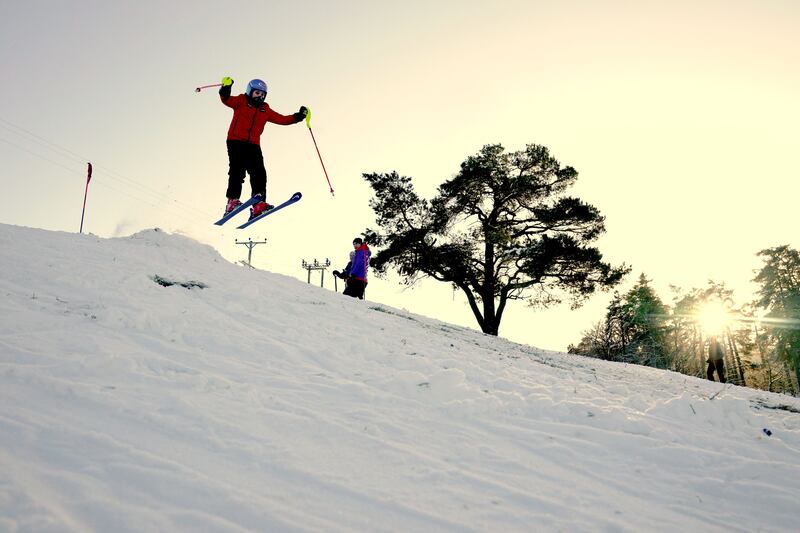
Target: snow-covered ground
x,y
240,400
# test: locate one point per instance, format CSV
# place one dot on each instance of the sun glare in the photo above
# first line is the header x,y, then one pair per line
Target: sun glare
x,y
713,318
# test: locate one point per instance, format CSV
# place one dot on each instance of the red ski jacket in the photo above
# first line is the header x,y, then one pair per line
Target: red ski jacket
x,y
248,120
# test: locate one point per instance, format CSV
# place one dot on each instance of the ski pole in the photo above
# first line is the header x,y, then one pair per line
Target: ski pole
x,y
85,193
308,123
207,86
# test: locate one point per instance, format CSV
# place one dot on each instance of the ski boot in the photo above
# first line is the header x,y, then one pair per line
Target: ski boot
x,y
232,204
259,209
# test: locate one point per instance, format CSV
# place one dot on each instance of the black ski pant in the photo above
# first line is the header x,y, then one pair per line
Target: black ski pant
x,y
244,157
355,288
719,366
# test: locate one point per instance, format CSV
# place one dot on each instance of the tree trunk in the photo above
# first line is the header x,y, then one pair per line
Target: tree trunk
x,y
491,327
491,322
797,377
474,306
765,362
740,368
788,376
697,348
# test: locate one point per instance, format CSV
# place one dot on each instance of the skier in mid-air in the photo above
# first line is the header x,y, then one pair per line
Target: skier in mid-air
x,y
250,115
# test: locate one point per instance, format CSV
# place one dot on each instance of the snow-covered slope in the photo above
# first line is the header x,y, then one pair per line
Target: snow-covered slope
x,y
239,400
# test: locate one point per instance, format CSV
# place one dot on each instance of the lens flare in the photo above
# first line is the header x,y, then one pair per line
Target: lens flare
x,y
714,318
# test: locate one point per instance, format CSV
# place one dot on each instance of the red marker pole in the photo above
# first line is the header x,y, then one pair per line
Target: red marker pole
x,y
308,123
85,193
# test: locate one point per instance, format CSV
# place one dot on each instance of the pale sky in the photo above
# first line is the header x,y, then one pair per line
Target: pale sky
x,y
680,117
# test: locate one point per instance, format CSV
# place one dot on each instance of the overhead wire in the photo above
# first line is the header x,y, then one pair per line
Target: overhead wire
x,y
191,211
18,147
105,184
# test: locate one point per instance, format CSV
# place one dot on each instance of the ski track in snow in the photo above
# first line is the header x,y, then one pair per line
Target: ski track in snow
x,y
261,403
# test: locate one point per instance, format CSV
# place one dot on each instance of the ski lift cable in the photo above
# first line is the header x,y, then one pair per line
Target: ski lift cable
x,y
65,152
180,214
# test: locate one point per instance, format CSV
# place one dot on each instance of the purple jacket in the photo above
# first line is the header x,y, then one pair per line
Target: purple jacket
x,y
360,264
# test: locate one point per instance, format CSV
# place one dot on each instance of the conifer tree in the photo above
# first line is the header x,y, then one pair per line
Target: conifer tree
x,y
632,331
779,294
644,315
502,229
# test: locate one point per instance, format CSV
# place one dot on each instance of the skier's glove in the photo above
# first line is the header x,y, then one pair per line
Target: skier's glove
x,y
301,115
225,90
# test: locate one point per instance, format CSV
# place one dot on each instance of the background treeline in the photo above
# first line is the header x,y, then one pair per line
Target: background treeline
x,y
762,342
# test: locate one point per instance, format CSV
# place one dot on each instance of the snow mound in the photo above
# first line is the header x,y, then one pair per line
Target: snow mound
x,y
222,398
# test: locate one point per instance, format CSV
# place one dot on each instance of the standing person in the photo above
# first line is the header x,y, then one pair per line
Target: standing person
x,y
356,270
357,281
345,273
250,115
715,360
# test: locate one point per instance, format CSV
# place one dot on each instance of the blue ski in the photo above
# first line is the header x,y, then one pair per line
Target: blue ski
x,y
295,197
241,207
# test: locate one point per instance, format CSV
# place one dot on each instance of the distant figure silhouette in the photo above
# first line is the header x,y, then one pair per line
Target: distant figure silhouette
x,y
716,360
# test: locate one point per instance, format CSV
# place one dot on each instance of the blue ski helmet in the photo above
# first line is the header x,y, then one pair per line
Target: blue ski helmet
x,y
256,85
